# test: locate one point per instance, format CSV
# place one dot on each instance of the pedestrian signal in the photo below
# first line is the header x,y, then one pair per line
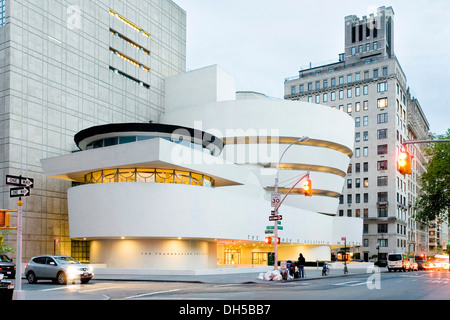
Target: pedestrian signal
x,y
307,189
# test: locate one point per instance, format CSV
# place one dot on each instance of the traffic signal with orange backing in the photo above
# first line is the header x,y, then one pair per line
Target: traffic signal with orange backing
x,y
268,240
307,189
5,219
404,163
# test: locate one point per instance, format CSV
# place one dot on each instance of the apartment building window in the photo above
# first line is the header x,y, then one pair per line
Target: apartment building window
x,y
366,212
333,82
357,122
365,90
382,118
357,106
349,183
375,45
341,199
382,86
367,47
382,103
317,99
317,85
366,182
302,88
365,167
382,149
310,86
357,136
357,167
366,151
341,213
349,78
366,198
382,212
341,94
349,108
382,165
360,49
366,105
325,84
341,80
357,76
365,121
2,12
366,135
325,97
382,197
383,243
365,228
385,71
357,152
358,213
349,199
310,99
382,228
382,181
375,73
293,90
365,243
333,96
382,134
357,198
357,182
349,93
357,91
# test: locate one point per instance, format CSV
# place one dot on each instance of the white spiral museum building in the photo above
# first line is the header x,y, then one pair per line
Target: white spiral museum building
x,y
194,190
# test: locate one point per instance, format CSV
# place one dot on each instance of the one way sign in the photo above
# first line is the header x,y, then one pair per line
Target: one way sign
x,y
19,192
19,181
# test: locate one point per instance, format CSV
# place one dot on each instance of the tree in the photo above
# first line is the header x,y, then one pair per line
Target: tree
x,y
434,201
3,247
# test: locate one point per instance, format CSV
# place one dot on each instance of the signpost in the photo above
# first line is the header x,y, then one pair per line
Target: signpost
x,y
23,189
276,218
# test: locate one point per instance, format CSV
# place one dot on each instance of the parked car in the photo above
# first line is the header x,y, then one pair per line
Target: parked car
x,y
381,263
398,261
58,268
414,266
7,267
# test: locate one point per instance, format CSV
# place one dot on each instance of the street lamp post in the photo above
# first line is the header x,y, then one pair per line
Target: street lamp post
x,y
276,208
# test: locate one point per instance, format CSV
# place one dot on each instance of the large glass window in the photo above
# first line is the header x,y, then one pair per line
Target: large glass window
x,y
149,176
2,13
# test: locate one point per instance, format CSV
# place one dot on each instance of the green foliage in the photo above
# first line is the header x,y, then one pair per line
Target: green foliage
x,y
3,247
434,202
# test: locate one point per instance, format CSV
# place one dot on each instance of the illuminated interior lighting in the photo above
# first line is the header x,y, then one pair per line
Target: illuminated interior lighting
x,y
129,23
130,60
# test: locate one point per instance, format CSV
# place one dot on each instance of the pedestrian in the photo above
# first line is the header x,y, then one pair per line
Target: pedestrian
x,y
301,266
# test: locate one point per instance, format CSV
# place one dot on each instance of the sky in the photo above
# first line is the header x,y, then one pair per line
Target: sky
x,y
263,42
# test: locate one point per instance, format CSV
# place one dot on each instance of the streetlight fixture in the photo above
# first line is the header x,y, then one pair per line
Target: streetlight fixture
x,y
275,213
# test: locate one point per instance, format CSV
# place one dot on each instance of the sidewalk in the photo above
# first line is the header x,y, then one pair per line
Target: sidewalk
x,y
222,276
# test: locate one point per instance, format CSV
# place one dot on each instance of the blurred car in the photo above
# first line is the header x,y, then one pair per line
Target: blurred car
x,y
421,264
381,263
7,267
58,268
398,261
414,266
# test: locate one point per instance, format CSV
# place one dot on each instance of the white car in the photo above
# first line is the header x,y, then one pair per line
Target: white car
x,y
58,268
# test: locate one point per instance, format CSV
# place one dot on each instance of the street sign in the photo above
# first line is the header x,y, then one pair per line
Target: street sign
x,y
19,181
269,231
275,218
275,199
280,228
270,228
19,192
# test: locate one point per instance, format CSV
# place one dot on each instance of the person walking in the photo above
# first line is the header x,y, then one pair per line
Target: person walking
x,y
301,266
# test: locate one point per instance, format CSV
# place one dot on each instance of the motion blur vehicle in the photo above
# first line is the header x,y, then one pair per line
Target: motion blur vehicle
x,y
421,261
398,261
414,266
7,267
58,268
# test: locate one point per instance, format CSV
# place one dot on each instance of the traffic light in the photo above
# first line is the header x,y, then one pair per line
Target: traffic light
x,y
307,189
5,219
404,163
268,240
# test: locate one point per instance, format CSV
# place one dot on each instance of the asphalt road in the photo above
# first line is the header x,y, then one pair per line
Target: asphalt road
x,y
422,285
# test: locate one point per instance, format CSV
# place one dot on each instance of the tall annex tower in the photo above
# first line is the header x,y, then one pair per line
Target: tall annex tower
x,y
369,84
66,66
